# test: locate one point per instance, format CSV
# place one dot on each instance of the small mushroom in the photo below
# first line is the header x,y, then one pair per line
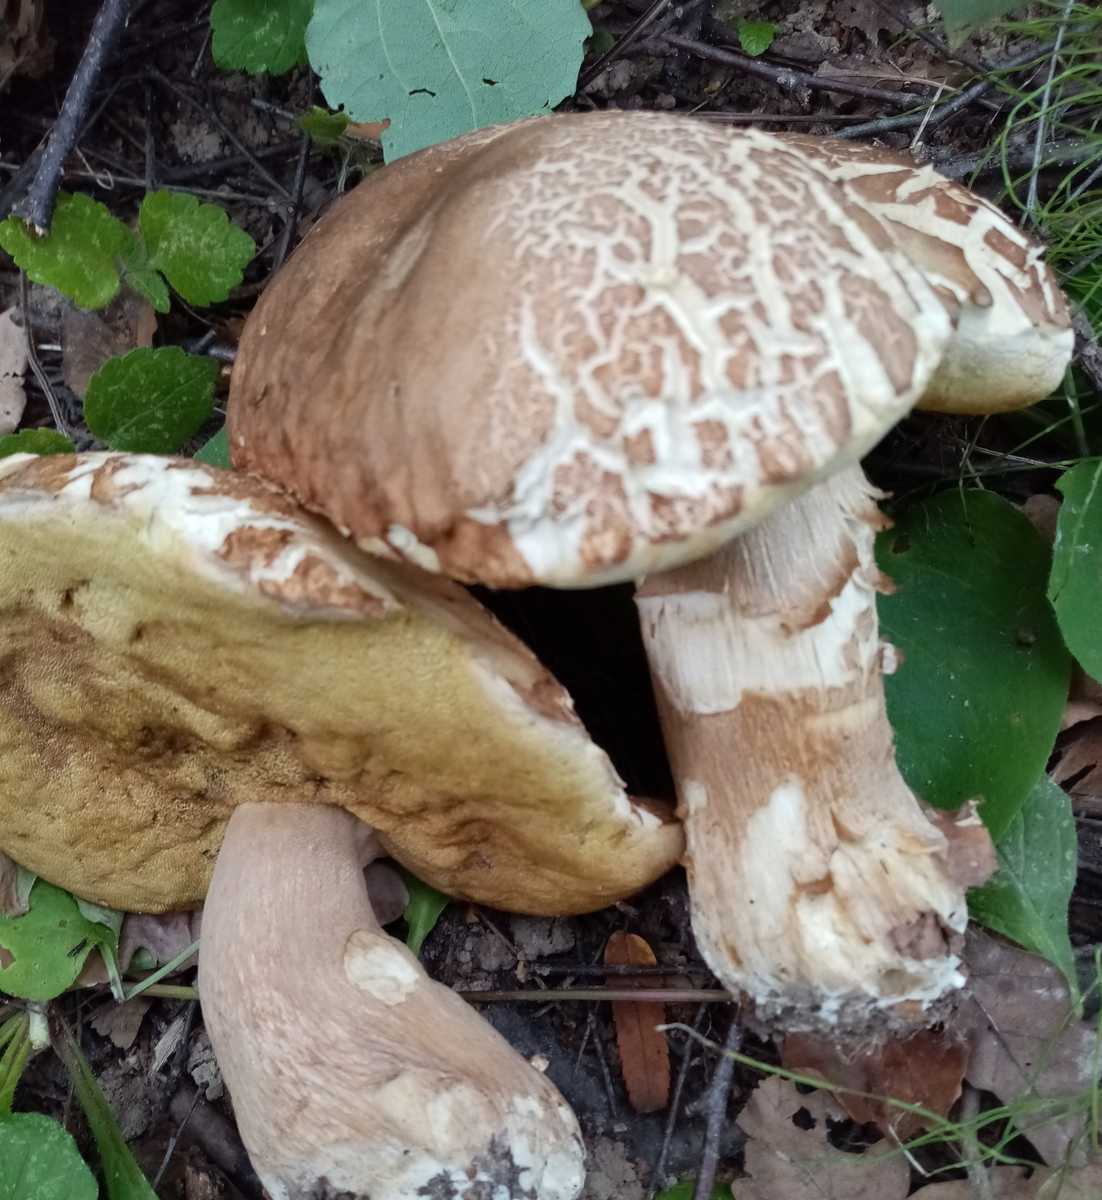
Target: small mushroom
x,y
596,348
192,662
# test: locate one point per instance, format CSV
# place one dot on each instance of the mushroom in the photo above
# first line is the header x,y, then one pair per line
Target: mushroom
x,y
596,348
194,667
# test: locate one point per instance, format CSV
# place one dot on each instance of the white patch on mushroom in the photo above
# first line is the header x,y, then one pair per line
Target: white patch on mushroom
x,y
709,656
377,965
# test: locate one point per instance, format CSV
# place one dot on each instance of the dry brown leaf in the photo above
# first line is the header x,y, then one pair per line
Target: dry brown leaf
x,y
89,339
788,1156
1018,1183
25,45
1079,767
387,891
12,903
121,1022
164,935
924,1069
366,131
13,363
644,1053
1025,1042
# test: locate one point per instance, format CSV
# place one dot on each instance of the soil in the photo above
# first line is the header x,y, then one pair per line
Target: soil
x,y
167,117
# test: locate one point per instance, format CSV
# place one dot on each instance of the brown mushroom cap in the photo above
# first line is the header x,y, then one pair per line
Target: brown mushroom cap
x,y
179,640
1012,332
578,349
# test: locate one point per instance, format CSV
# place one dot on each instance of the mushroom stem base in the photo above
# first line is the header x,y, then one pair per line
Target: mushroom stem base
x,y
819,885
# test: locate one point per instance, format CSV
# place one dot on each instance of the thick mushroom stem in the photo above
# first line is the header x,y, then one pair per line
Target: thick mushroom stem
x,y
351,1072
819,885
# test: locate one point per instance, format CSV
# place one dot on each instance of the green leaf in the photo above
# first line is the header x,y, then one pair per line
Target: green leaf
x,y
145,279
686,1188
216,451
960,16
121,1174
323,127
1075,585
46,946
196,246
423,910
35,441
755,37
438,68
79,256
976,704
1027,899
150,401
41,1161
259,35
15,1042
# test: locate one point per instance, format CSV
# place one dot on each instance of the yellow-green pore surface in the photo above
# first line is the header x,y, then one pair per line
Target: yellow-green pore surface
x,y
175,641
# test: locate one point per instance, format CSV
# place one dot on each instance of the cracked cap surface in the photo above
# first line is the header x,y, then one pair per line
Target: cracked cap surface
x,y
581,348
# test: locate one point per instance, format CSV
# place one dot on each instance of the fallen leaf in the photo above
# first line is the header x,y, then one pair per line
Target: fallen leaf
x,y
120,1023
1079,764
13,902
90,337
387,892
1027,1045
1043,511
925,1069
1020,1183
644,1052
788,1156
865,15
163,935
25,45
13,363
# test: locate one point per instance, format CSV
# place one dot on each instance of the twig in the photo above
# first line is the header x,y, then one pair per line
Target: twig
x,y
37,206
293,209
209,114
170,1149
675,1105
936,114
926,36
633,34
644,995
1057,154
150,147
788,78
613,969
32,357
716,1106
1042,117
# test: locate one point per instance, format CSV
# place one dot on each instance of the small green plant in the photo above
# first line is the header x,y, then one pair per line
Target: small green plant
x,y
423,910
755,37
89,253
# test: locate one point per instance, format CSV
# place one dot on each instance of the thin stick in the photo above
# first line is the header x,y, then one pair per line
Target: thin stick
x,y
675,1105
37,206
643,995
936,114
716,1106
787,78
32,357
1042,117
633,34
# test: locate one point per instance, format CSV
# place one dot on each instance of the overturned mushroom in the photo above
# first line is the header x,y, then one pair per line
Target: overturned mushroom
x,y
192,662
596,348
